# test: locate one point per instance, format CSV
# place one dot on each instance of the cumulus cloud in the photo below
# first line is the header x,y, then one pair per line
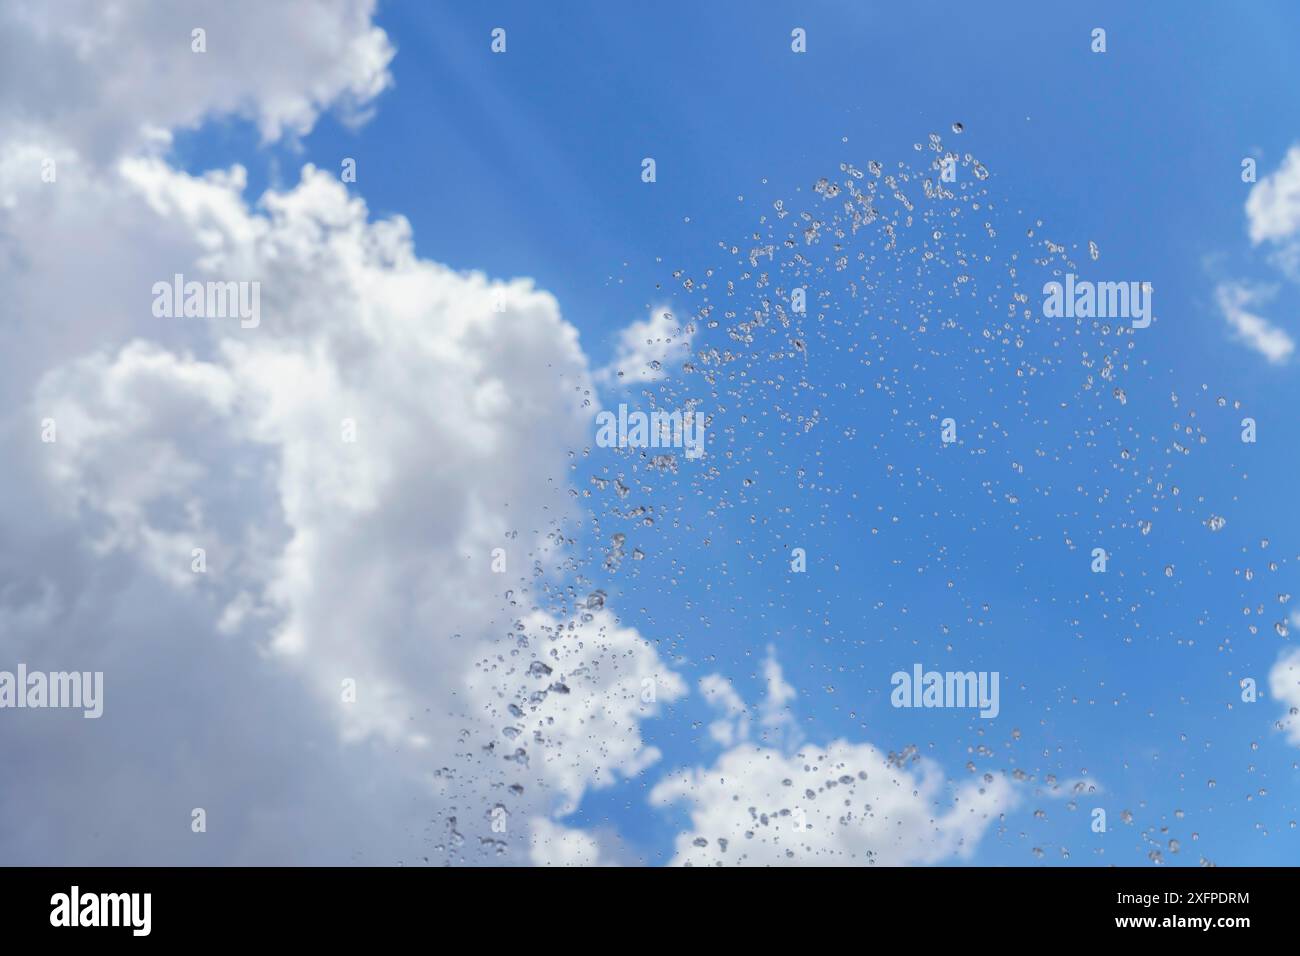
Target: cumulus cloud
x,y
1273,206
1236,302
774,714
732,725
579,703
647,350
110,78
556,845
366,561
1273,220
1284,685
369,661
842,804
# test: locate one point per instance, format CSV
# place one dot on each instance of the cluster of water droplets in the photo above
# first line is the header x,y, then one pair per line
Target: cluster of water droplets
x,y
922,301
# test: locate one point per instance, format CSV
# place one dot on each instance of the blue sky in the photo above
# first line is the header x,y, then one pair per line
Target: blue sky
x,y
529,163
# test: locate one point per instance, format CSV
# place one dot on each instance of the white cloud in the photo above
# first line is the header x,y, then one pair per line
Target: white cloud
x,y
1273,217
775,714
648,350
326,560
112,78
1235,301
556,845
842,804
1284,685
583,696
732,725
1273,206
